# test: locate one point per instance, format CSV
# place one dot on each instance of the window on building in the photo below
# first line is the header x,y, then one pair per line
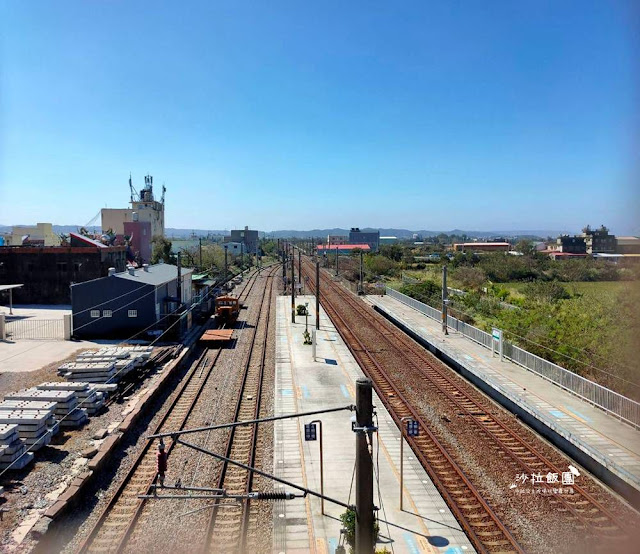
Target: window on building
x,y
61,266
107,313
133,313
95,313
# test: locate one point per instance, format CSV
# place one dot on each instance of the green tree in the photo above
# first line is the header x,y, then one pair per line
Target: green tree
x,y
525,247
162,251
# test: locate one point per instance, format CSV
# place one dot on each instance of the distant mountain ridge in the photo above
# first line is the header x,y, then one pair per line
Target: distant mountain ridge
x,y
172,232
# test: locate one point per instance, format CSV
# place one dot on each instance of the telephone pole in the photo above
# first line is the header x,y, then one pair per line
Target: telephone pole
x,y
317,294
445,301
293,288
226,248
365,539
361,287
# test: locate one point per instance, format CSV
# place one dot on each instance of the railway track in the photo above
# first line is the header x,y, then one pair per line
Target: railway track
x,y
117,521
229,523
375,343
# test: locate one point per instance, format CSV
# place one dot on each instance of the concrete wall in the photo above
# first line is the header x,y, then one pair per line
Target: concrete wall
x,y
41,233
114,218
47,273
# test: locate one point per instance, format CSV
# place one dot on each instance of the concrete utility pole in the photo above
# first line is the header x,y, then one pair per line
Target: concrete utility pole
x,y
317,294
336,261
445,301
361,288
293,289
226,266
179,283
200,245
300,265
365,539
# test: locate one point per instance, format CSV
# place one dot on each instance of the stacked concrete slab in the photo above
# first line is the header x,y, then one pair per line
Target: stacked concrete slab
x,y
92,372
35,426
66,410
12,449
37,441
88,397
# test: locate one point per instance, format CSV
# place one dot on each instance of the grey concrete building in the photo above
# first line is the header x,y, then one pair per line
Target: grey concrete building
x,y
246,236
372,238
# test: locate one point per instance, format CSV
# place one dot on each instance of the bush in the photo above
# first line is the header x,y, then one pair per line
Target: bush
x,y
426,291
546,291
470,277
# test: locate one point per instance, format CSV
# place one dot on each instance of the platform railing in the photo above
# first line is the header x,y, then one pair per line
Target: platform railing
x,y
610,401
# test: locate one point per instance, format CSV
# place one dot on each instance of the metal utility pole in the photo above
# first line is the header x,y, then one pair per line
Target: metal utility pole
x,y
226,248
293,290
365,539
445,301
317,294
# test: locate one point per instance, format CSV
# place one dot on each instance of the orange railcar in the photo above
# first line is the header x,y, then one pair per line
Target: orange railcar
x,y
227,308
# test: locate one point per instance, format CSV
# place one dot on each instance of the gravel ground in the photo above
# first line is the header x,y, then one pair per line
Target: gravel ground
x,y
163,527
55,466
537,521
166,526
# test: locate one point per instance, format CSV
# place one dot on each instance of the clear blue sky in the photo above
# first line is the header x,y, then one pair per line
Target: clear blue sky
x,y
280,115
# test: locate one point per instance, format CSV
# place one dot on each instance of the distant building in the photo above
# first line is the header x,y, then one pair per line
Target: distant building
x,y
333,240
246,236
40,234
388,240
482,247
143,221
571,244
372,238
234,248
48,272
599,241
342,248
127,302
628,245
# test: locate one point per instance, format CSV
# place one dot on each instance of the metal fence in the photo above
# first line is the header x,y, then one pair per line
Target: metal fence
x,y
35,329
611,402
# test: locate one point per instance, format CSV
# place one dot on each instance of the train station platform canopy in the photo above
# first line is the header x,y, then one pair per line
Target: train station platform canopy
x,y
10,289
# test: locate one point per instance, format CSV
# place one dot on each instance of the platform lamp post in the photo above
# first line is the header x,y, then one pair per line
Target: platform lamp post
x,y
412,431
310,435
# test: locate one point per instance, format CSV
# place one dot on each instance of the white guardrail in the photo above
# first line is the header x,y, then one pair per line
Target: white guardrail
x,y
610,401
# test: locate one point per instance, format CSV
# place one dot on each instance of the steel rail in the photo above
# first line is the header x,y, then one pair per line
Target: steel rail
x,y
240,406
127,527
464,500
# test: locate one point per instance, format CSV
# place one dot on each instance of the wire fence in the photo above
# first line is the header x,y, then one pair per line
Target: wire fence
x,y
610,401
35,329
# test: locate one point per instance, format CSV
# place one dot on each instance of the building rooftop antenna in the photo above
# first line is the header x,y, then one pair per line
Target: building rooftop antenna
x,y
134,193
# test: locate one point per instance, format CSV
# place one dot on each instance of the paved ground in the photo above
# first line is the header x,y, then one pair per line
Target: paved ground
x,y
612,443
305,385
30,355
36,311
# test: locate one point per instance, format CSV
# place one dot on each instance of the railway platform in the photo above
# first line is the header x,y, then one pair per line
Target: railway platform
x,y
608,448
303,384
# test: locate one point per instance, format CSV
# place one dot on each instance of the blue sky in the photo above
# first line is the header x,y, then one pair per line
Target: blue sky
x,y
297,115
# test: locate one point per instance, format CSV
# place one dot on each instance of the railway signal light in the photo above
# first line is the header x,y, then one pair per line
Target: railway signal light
x,y
413,428
310,432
